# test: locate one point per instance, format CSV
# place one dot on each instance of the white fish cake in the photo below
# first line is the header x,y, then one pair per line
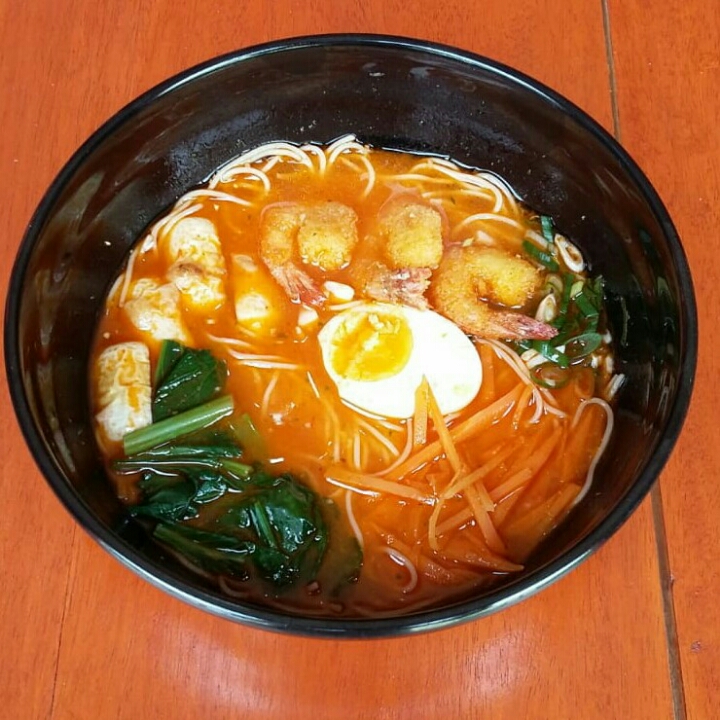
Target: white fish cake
x,y
198,268
124,390
259,303
155,309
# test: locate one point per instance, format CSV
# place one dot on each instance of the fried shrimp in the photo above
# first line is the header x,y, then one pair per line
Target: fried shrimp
x,y
404,286
483,290
413,233
320,235
411,237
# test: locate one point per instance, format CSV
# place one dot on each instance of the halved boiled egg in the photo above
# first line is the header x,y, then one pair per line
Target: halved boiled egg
x,y
377,354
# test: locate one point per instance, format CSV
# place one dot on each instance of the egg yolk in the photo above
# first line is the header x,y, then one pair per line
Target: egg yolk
x,y
371,345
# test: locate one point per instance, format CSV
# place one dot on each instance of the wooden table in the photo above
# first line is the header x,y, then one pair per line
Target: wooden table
x,y
633,633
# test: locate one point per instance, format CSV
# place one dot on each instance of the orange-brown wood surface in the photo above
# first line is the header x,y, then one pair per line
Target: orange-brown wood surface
x,y
82,637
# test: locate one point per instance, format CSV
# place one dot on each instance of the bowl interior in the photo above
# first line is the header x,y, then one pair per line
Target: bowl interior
x,y
392,94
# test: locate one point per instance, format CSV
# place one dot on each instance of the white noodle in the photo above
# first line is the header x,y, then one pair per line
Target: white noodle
x,y
352,488
319,153
397,557
538,407
339,307
233,342
603,443
487,217
484,238
348,143
371,175
614,385
356,452
536,238
231,173
273,150
262,361
379,437
405,454
231,591
267,395
115,288
217,195
180,211
313,386
353,522
127,279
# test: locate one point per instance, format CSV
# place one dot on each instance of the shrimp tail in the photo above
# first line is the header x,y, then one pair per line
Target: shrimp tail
x,y
298,285
404,286
516,326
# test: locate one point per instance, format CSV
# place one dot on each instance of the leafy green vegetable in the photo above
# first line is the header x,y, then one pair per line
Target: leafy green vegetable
x,y
248,436
170,353
220,513
280,525
171,500
214,552
178,426
185,378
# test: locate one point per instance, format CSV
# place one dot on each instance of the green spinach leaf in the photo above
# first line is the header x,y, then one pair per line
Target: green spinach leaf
x,y
186,379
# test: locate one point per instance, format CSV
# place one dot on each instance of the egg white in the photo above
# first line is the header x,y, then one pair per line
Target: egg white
x,y
441,352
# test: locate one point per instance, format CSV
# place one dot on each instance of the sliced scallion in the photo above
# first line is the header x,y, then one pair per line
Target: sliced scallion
x,y
545,259
548,229
582,345
547,350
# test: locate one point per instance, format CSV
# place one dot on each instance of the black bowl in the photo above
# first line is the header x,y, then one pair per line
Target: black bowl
x,y
389,92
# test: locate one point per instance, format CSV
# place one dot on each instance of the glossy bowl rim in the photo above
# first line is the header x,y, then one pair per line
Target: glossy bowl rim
x,y
396,625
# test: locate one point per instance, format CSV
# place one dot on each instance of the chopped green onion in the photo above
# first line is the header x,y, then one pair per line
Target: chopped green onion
x,y
585,305
576,288
548,229
551,377
177,426
582,345
545,259
547,350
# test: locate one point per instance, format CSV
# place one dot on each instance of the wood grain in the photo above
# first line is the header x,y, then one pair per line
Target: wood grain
x,y
100,643
668,67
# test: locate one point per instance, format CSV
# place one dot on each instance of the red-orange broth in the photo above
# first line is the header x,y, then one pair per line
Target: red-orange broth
x,y
528,447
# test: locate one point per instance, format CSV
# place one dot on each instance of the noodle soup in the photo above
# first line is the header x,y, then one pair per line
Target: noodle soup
x,y
350,381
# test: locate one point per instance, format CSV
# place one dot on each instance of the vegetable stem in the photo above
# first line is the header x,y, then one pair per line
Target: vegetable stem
x,y
177,426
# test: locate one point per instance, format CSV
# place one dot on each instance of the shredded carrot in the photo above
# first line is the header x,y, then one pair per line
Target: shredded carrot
x,y
441,428
435,515
509,486
582,442
504,507
458,519
421,414
502,564
487,389
475,477
474,424
371,482
545,466
521,406
524,534
484,522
